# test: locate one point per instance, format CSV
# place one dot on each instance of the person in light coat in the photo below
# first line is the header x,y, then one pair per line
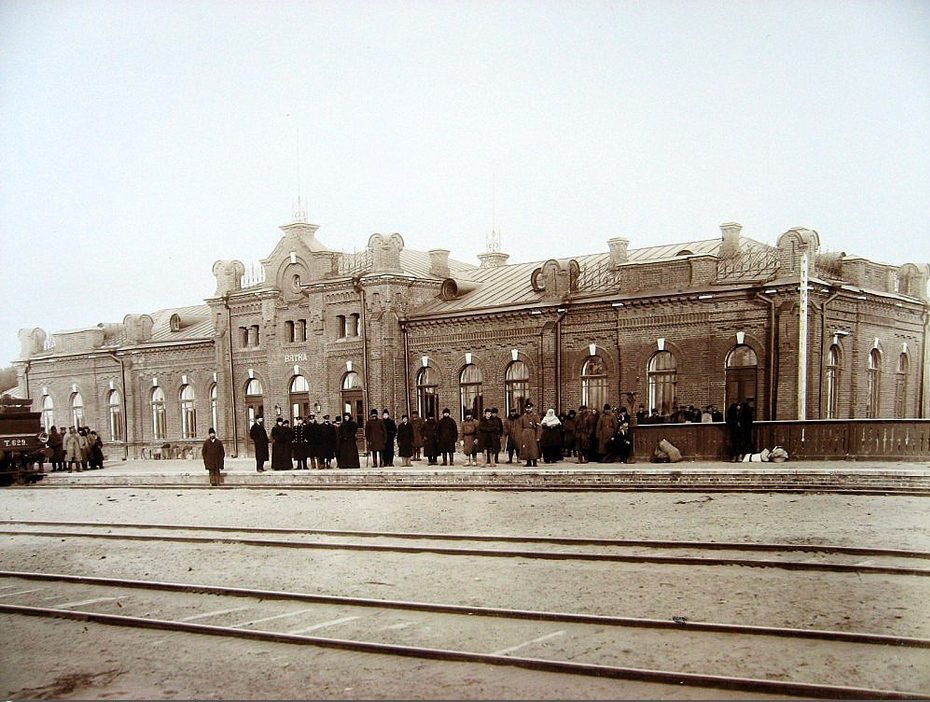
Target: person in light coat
x,y
528,435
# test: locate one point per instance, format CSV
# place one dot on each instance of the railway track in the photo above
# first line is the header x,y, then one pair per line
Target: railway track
x,y
892,488
563,642
843,559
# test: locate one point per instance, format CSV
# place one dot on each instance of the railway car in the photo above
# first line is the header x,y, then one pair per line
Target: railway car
x,y
22,442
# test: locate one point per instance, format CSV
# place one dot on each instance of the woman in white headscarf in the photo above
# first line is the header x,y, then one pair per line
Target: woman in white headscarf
x,y
550,441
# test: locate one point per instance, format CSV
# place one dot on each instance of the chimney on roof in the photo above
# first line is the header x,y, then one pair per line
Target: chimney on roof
x,y
730,244
439,263
618,250
493,259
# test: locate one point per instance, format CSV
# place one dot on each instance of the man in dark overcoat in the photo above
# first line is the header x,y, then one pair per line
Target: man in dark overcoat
x,y
301,443
417,422
213,457
375,437
446,435
260,438
314,442
280,446
329,442
390,432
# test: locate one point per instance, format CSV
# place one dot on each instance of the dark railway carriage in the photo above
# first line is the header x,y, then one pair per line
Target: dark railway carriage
x,y
22,442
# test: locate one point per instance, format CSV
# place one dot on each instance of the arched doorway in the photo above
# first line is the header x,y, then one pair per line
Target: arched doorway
x,y
298,397
742,374
254,407
353,399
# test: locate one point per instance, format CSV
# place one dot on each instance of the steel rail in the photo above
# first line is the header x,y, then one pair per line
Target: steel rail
x,y
491,553
467,610
891,491
512,538
605,671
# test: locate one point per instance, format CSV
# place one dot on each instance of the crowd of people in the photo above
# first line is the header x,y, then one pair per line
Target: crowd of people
x,y
588,434
78,449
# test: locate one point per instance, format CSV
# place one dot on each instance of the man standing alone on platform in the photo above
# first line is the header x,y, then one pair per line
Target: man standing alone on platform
x,y
213,456
260,438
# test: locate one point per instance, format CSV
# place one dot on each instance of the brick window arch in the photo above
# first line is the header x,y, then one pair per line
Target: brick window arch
x,y
662,372
900,391
115,415
873,383
159,423
470,393
594,382
428,392
516,386
48,412
832,382
77,410
188,412
299,397
742,374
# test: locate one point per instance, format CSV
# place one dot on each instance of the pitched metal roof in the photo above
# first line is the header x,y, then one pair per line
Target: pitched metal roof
x,y
509,285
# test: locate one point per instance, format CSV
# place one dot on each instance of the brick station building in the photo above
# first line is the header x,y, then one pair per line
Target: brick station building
x,y
807,333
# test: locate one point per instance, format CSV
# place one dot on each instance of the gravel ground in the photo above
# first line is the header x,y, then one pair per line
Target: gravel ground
x,y
68,660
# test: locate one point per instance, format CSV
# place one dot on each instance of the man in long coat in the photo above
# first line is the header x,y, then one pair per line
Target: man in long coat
x,y
390,433
584,431
528,435
607,425
280,446
329,442
417,422
446,436
213,457
260,438
375,437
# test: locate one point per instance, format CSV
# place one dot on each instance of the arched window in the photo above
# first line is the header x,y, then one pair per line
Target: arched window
x,y
48,412
188,412
254,387
214,396
594,383
352,381
470,391
77,410
115,415
742,374
874,381
299,397
662,373
900,390
159,428
832,382
516,386
428,392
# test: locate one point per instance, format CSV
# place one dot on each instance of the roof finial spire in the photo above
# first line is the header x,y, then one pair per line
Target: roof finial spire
x,y
300,212
494,237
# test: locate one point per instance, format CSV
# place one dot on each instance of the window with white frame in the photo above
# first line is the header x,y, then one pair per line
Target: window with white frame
x,y
159,423
188,412
662,373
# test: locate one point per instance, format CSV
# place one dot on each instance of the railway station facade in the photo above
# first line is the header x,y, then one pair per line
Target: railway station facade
x,y
807,333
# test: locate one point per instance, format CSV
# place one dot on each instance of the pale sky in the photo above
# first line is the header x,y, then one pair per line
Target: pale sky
x,y
142,141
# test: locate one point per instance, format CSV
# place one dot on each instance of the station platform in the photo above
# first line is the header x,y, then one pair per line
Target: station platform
x,y
852,476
